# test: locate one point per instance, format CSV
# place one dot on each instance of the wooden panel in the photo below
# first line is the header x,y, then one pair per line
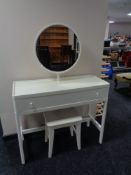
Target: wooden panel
x,y
54,37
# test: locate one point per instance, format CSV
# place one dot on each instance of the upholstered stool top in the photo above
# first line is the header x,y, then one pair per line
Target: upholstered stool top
x,y
124,77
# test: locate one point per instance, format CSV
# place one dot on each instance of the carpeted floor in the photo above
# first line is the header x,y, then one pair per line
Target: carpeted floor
x,y
113,157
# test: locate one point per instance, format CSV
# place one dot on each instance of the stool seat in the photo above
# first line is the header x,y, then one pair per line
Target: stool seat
x,y
60,119
123,77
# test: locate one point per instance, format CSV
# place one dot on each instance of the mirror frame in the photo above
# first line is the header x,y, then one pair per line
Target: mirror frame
x,y
35,44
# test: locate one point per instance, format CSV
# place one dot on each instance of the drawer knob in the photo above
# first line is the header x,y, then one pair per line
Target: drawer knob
x,y
31,105
97,94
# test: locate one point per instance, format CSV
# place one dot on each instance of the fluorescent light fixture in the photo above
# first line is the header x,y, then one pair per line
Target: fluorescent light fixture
x,y
111,22
129,14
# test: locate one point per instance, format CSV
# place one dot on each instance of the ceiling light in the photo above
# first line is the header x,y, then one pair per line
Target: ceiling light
x,y
111,22
129,14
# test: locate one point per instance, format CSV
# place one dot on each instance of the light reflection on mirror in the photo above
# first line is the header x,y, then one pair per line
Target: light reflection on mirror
x,y
57,48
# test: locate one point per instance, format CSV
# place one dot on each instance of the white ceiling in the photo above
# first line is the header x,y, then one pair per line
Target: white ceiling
x,y
118,10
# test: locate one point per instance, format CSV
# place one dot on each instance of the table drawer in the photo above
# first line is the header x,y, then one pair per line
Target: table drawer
x,y
37,104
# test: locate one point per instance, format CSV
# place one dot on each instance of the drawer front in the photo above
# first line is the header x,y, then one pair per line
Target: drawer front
x,y
37,104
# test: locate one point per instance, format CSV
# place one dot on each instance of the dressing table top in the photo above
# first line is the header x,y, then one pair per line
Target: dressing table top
x,y
50,86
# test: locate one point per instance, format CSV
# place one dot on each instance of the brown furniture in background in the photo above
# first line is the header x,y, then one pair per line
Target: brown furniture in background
x,y
126,57
54,37
114,56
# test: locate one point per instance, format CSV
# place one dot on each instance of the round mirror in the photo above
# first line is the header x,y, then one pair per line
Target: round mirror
x,y
57,48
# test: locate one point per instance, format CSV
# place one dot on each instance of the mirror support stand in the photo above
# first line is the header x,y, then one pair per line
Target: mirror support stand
x,y
58,77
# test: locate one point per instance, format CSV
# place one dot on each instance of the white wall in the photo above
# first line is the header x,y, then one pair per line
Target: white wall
x,y
20,21
122,28
107,30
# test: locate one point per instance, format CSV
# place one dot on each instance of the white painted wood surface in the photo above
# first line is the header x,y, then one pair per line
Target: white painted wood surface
x,y
52,86
32,96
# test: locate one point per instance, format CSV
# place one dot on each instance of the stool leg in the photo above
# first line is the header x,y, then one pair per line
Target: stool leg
x,y
46,133
71,130
88,123
51,140
78,135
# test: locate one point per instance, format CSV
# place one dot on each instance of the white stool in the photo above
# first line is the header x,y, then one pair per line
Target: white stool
x,y
60,119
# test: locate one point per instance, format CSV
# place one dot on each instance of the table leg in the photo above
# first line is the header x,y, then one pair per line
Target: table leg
x,y
103,123
19,133
20,139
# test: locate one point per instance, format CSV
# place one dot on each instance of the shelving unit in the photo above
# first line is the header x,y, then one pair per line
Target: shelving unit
x,y
103,70
106,58
99,109
106,70
54,37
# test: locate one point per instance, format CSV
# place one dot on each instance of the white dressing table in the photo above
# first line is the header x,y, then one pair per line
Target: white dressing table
x,y
33,96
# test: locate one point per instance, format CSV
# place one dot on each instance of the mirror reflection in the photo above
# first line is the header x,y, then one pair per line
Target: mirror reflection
x,y
57,48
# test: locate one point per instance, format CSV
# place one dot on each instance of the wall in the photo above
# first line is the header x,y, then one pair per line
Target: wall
x,y
107,30
20,21
121,28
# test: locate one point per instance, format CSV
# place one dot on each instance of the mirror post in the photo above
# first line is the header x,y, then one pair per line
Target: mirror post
x,y
58,77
